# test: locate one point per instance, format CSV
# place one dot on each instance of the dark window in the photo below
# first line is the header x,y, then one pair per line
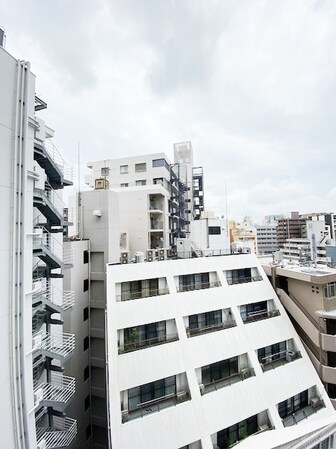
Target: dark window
x,y
205,319
194,281
153,390
160,163
331,327
86,285
293,404
87,403
85,313
248,311
140,167
272,352
331,356
239,276
88,432
219,370
237,432
86,373
85,256
147,332
331,389
104,171
214,230
139,289
86,343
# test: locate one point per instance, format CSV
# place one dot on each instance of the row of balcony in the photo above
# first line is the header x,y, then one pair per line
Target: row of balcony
x,y
137,337
60,435
52,297
54,345
145,288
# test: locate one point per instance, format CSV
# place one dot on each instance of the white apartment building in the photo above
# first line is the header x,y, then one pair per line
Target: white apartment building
x,y
202,355
309,296
34,390
165,197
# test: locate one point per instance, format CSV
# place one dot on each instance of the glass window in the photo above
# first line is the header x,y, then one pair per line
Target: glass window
x,y
85,256
140,182
140,167
104,171
86,342
85,313
124,184
214,230
150,391
86,285
160,163
219,370
123,169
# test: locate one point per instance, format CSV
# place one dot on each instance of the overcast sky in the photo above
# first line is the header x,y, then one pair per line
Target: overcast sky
x,y
250,83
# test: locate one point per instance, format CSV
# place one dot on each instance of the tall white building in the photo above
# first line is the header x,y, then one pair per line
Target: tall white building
x,y
201,354
34,390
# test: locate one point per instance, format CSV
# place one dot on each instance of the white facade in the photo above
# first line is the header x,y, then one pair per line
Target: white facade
x,y
210,236
34,347
161,392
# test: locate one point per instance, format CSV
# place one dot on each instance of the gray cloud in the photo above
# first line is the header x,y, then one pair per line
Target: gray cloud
x,y
251,84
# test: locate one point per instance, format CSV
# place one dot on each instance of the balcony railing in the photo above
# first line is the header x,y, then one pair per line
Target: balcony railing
x,y
143,344
59,344
192,331
55,155
145,293
156,206
279,359
262,315
155,405
60,389
227,381
42,237
156,225
294,418
63,299
60,435
244,280
198,286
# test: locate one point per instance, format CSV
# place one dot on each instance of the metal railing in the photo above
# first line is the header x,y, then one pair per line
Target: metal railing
x,y
156,225
43,237
156,206
56,156
155,405
143,344
226,381
197,286
279,359
144,293
54,198
61,434
257,316
192,331
64,299
60,389
61,344
244,280
304,413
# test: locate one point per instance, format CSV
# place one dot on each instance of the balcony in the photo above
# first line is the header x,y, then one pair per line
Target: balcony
x,y
143,344
198,286
60,435
156,225
56,393
244,280
144,288
215,385
192,332
55,345
261,315
155,206
315,405
155,405
282,358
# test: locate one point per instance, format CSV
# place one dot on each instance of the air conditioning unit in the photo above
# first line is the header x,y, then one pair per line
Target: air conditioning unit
x,y
273,313
124,257
315,402
181,396
245,373
42,445
124,415
202,389
290,355
150,255
38,396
